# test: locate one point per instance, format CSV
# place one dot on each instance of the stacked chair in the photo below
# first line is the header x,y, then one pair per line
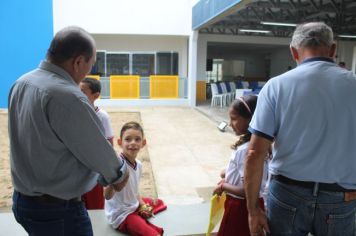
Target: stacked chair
x,y
229,94
224,93
217,97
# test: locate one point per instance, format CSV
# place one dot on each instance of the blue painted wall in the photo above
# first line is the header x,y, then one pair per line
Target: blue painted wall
x,y
26,30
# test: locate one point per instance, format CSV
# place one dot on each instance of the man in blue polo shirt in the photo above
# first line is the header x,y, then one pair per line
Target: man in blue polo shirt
x,y
309,113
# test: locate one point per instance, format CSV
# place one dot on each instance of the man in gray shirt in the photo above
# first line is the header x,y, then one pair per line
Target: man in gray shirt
x,y
57,143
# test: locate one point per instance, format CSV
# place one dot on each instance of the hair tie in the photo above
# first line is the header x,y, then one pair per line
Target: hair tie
x,y
245,104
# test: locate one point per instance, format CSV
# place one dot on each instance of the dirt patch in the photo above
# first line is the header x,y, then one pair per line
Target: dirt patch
x,y
147,185
5,178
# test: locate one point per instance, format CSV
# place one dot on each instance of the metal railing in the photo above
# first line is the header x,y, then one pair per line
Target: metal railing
x,y
144,87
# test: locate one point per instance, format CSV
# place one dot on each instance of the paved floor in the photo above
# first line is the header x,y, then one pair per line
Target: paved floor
x,y
215,113
187,151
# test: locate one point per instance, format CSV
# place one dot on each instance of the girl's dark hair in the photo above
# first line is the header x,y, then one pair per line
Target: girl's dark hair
x,y
70,42
94,85
244,106
131,125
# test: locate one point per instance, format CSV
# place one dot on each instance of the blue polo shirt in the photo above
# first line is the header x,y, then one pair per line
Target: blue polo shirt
x,y
310,113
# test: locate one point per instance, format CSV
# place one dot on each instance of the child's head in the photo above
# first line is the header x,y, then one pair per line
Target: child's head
x,y
131,139
91,88
240,112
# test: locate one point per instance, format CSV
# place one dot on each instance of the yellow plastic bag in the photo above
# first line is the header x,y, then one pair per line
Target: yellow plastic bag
x,y
216,211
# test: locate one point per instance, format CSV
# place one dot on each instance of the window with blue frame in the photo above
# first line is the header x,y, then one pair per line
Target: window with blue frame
x,y
99,66
118,64
129,63
143,64
167,63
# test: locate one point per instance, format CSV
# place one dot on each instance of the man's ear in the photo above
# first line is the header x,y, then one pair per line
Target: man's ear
x,y
294,53
119,142
144,142
96,95
332,52
77,61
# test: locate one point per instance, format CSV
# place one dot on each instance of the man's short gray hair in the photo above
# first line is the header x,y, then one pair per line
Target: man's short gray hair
x,y
314,34
71,42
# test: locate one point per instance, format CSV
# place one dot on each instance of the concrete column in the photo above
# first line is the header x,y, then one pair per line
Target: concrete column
x,y
201,57
354,61
192,68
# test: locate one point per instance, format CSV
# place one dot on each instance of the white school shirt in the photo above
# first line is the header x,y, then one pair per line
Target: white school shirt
x,y
105,120
126,201
234,173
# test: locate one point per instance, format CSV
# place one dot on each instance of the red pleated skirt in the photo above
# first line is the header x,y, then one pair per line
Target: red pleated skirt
x,y
235,219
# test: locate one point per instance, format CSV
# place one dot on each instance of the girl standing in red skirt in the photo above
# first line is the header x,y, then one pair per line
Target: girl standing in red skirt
x,y
235,219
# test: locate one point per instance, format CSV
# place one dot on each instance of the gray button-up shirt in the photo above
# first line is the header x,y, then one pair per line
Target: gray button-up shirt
x,y
57,142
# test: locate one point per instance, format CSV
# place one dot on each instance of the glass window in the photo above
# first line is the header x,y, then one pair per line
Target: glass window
x,y
143,64
167,63
216,73
99,66
117,64
175,63
164,63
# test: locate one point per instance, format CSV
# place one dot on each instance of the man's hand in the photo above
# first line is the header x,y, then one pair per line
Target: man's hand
x,y
119,186
257,221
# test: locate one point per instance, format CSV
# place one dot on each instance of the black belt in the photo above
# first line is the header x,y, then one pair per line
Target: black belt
x,y
306,184
45,198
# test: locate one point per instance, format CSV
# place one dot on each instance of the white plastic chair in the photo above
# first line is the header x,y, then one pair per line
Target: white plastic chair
x,y
216,98
240,92
245,84
261,83
233,89
227,94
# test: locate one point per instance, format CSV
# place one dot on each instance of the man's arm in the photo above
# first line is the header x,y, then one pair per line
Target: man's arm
x,y
111,141
109,192
253,172
81,131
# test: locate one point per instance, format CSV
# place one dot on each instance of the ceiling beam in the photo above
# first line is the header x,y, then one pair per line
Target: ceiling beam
x,y
256,13
292,4
339,14
314,5
335,6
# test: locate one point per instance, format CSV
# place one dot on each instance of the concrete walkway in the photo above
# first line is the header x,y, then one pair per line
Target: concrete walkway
x,y
187,152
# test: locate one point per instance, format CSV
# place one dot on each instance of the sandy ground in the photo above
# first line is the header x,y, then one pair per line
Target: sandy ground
x,y
147,185
5,179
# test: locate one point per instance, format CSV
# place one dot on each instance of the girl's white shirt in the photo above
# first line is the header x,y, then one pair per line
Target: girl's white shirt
x,y
126,201
234,173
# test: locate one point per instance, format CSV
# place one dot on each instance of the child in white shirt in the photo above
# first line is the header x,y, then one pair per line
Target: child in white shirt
x,y
94,199
235,219
92,89
126,211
